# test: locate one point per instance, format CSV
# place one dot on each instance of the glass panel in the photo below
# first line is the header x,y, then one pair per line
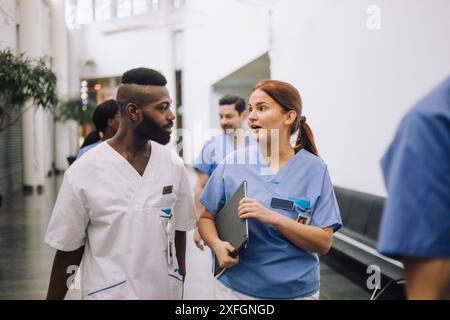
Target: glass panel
x,y
85,11
102,10
71,14
140,6
123,8
155,5
177,3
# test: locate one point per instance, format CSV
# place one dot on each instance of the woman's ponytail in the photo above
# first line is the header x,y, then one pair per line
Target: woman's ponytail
x,y
305,138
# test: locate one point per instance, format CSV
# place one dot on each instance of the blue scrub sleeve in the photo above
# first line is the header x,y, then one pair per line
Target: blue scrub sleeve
x,y
213,197
205,162
416,167
326,211
81,152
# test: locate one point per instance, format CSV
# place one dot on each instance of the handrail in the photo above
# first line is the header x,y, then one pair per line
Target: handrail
x,y
366,248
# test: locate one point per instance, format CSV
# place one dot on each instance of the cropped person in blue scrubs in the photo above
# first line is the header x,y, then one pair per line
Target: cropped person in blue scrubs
x,y
416,218
281,258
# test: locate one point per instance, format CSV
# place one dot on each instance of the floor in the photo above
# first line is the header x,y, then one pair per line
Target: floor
x,y
25,261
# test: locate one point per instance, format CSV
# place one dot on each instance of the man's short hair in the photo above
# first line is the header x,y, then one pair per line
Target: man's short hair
x,y
238,102
104,111
131,89
144,76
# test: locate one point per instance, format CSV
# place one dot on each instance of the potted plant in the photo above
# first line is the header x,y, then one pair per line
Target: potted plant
x,y
23,79
74,109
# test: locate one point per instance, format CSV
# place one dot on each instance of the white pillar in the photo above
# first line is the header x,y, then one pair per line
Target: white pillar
x,y
60,52
74,136
167,65
75,53
30,42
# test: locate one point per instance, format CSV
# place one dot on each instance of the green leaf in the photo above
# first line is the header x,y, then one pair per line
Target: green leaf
x,y
23,79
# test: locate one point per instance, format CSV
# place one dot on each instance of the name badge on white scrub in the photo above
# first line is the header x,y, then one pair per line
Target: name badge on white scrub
x,y
167,190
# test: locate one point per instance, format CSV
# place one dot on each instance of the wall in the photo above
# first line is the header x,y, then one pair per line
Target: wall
x,y
139,41
113,54
220,38
109,48
357,83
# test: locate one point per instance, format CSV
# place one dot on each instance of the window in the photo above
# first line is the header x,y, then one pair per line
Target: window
x,y
155,5
124,8
80,12
103,10
140,6
176,4
71,15
85,12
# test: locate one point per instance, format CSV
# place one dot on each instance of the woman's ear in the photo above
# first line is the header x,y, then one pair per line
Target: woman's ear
x,y
291,117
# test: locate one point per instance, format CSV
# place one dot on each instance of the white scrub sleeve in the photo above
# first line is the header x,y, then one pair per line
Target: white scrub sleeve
x,y
184,212
67,227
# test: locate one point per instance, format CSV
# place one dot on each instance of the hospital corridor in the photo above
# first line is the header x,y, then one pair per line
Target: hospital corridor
x,y
255,151
26,261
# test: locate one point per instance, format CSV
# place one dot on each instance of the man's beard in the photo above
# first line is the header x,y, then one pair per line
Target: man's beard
x,y
228,130
150,130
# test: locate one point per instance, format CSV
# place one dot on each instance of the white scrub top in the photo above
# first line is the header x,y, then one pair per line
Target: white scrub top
x,y
121,218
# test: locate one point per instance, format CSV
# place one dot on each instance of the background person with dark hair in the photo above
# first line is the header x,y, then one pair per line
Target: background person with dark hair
x,y
106,119
115,204
232,115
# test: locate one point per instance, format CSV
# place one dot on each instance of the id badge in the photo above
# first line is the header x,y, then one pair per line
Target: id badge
x,y
278,203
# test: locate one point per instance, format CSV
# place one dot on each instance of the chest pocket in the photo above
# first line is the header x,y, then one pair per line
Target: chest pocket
x,y
164,207
164,201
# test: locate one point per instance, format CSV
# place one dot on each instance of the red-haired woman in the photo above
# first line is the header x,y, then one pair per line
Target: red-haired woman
x,y
291,206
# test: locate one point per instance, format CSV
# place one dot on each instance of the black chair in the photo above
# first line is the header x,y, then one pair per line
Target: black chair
x,y
355,244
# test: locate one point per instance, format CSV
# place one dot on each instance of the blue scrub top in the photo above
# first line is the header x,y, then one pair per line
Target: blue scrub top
x,y
272,267
215,150
416,168
87,148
